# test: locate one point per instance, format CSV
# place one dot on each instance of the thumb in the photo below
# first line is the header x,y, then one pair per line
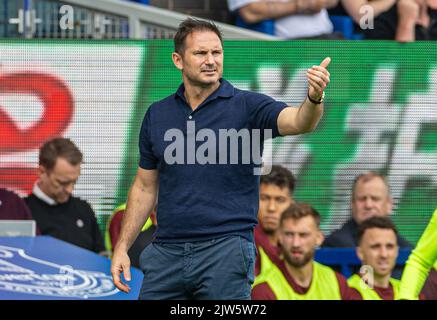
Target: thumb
x,y
325,63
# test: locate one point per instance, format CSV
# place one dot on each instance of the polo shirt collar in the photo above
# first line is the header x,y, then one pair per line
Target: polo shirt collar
x,y
42,196
225,90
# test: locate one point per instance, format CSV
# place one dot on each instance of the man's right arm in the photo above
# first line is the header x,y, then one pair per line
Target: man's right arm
x,y
408,13
263,10
140,203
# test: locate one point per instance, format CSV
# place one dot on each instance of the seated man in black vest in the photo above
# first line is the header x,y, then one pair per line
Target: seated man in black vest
x,y
370,198
56,211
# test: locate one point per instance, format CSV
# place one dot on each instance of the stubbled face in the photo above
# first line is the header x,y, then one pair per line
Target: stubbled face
x,y
202,61
379,249
371,199
299,240
59,182
273,200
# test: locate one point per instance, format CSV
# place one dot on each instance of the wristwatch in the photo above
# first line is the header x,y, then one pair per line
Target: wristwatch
x,y
322,98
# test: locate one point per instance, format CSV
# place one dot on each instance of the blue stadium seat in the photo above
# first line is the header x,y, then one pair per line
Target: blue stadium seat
x,y
141,1
347,259
345,25
266,26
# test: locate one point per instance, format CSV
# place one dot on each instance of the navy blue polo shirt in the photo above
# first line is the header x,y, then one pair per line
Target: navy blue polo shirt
x,y
204,193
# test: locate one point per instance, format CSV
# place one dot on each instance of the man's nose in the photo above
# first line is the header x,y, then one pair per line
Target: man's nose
x,y
209,58
383,252
368,203
272,206
69,188
295,242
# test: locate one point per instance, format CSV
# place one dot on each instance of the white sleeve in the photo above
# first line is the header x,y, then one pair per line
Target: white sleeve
x,y
237,4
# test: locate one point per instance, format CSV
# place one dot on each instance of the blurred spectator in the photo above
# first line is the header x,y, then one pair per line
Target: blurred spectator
x,y
296,276
145,237
12,207
56,211
293,19
378,250
275,195
354,8
370,197
406,21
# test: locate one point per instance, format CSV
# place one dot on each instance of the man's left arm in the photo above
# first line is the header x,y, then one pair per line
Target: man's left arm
x,y
317,5
304,119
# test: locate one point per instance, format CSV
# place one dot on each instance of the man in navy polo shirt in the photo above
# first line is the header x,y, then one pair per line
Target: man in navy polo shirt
x,y
198,146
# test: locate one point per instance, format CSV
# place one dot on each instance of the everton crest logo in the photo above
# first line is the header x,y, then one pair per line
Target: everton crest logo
x,y
17,274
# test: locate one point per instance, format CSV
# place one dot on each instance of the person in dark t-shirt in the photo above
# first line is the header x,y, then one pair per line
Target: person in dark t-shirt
x,y
406,21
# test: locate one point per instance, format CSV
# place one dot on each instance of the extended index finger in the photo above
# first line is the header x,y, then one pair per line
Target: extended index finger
x,y
325,62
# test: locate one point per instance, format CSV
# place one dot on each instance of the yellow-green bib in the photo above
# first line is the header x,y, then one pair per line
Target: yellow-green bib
x,y
108,243
368,293
324,285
